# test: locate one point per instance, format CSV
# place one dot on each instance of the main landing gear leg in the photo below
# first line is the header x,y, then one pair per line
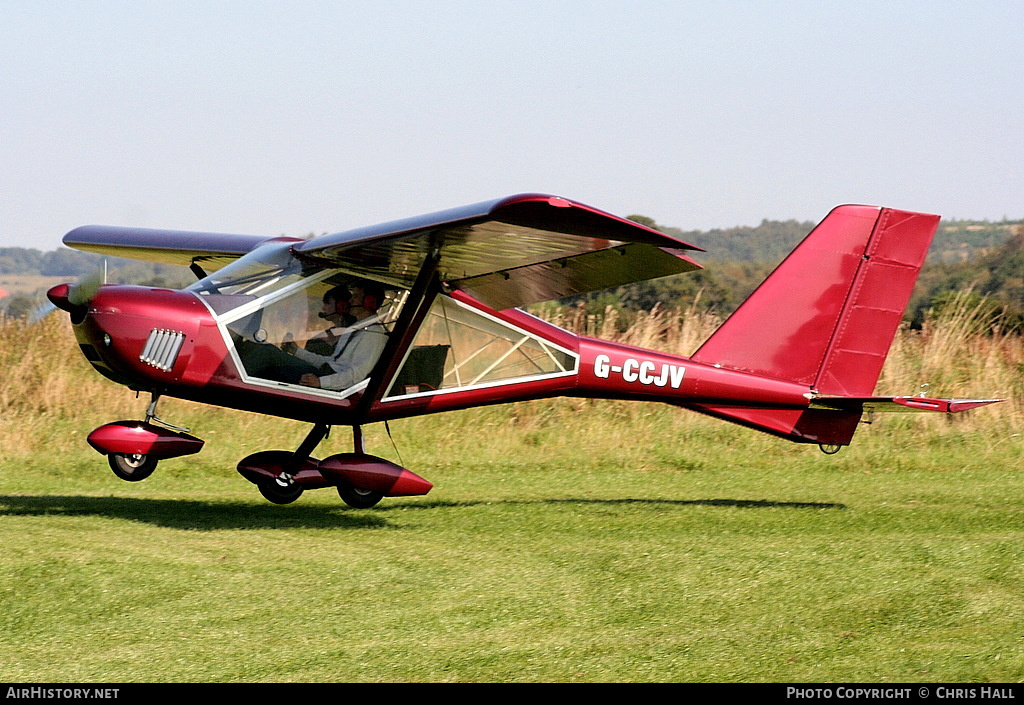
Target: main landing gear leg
x,y
361,480
319,432
283,489
356,497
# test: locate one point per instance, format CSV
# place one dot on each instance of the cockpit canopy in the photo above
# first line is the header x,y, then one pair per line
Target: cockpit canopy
x,y
282,324
271,308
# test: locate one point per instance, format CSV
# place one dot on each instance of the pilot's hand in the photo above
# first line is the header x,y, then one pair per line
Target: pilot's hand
x,y
288,344
309,380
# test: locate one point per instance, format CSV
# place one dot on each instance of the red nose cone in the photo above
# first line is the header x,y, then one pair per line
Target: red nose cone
x,y
58,296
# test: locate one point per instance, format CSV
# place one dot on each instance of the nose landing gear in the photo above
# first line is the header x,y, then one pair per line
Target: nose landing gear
x,y
133,448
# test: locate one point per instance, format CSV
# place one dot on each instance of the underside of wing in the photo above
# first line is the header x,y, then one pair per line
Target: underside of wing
x,y
509,252
210,251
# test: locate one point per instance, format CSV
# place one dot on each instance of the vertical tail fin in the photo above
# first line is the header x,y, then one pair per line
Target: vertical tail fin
x,y
827,315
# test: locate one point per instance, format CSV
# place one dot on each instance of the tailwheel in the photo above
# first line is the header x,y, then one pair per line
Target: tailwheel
x,y
359,498
279,494
131,466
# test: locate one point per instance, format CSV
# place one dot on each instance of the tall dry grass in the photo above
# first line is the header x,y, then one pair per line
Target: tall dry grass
x,y
957,353
51,397
47,386
678,331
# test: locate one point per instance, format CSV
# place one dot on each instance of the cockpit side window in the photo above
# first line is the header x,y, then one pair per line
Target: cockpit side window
x,y
316,329
459,347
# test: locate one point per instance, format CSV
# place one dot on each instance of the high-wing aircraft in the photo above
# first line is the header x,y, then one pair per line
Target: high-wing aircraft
x,y
420,315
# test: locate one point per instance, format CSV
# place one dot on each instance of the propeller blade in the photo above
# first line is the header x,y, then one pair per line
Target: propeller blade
x,y
73,298
40,312
81,293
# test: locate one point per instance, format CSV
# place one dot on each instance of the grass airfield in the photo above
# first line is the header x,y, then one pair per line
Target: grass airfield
x,y
564,541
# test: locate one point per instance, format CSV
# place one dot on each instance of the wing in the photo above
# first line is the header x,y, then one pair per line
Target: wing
x,y
509,252
210,251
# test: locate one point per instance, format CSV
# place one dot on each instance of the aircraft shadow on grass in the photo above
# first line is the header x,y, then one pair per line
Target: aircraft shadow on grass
x,y
214,516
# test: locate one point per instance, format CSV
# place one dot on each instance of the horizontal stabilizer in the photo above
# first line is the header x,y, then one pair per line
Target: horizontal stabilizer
x,y
889,404
830,420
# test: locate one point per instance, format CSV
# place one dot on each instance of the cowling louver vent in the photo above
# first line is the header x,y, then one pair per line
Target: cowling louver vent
x,y
162,348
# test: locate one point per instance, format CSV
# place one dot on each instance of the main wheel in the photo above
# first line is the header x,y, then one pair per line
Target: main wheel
x,y
358,498
277,494
131,466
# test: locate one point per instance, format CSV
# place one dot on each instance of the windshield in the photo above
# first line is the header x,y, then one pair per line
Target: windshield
x,y
263,271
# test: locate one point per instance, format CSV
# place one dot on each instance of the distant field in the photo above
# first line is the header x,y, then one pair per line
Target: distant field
x,y
28,284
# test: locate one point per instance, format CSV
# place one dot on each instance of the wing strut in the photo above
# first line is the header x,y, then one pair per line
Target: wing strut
x,y
417,304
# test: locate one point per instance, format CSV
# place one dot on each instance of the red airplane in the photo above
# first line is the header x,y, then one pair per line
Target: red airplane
x,y
419,315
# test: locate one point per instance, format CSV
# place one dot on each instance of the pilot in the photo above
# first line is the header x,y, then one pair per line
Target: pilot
x,y
355,352
335,309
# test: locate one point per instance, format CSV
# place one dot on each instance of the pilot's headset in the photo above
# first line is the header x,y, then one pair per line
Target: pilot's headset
x,y
373,295
341,297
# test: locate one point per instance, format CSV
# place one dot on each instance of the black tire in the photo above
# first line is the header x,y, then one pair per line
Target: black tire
x,y
131,467
273,492
359,498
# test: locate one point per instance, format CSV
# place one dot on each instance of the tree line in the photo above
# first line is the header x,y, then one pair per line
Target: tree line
x,y
984,257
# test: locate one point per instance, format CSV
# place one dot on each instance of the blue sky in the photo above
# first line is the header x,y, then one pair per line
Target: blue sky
x,y
298,117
